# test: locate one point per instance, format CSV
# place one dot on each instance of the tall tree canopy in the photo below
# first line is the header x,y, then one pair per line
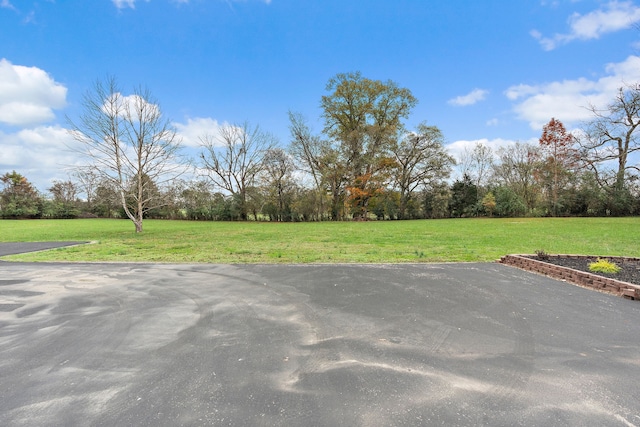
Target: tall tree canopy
x,y
421,161
558,158
18,198
364,117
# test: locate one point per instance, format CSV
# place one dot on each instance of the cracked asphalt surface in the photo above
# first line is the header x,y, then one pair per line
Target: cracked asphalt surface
x,y
312,345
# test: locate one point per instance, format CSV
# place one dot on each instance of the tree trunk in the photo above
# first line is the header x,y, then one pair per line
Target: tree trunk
x,y
136,219
402,209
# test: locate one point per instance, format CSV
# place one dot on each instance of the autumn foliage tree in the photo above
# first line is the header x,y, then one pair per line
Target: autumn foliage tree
x,y
557,159
489,203
363,188
19,198
364,117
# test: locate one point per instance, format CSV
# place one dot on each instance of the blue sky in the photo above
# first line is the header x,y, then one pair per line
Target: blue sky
x,y
493,70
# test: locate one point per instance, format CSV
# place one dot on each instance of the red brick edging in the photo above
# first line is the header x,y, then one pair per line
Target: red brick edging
x,y
580,278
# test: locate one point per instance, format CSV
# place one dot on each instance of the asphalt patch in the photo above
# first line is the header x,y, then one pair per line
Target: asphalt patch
x,y
312,345
13,248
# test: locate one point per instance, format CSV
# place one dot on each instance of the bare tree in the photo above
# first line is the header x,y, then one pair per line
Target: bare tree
x,y
87,181
611,138
477,163
129,144
322,161
306,148
233,158
516,170
106,200
65,202
64,191
278,177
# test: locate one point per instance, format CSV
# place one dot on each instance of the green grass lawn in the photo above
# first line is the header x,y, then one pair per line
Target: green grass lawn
x,y
326,242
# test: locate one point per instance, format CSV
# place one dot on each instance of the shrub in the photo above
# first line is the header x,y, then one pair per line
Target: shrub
x,y
603,266
542,255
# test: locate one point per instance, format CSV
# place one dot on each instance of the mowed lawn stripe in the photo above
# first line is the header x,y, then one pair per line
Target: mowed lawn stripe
x,y
446,240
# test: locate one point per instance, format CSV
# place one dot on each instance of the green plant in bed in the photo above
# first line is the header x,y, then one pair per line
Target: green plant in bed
x,y
604,266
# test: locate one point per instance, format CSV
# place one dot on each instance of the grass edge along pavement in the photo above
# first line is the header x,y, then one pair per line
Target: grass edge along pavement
x,y
445,240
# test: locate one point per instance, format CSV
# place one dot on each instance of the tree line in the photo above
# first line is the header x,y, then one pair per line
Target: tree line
x,y
364,164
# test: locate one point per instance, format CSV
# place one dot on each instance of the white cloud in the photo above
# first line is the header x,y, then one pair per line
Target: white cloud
x,y
41,154
614,16
28,95
121,4
194,129
134,104
241,1
493,122
471,98
568,100
7,4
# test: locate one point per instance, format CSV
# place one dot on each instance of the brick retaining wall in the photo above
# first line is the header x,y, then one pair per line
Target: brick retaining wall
x,y
581,278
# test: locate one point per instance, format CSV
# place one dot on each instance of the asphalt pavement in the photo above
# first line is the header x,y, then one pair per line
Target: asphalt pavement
x,y
312,345
12,248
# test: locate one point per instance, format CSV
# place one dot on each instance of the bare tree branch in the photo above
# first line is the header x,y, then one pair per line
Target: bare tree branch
x,y
233,158
611,138
129,144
